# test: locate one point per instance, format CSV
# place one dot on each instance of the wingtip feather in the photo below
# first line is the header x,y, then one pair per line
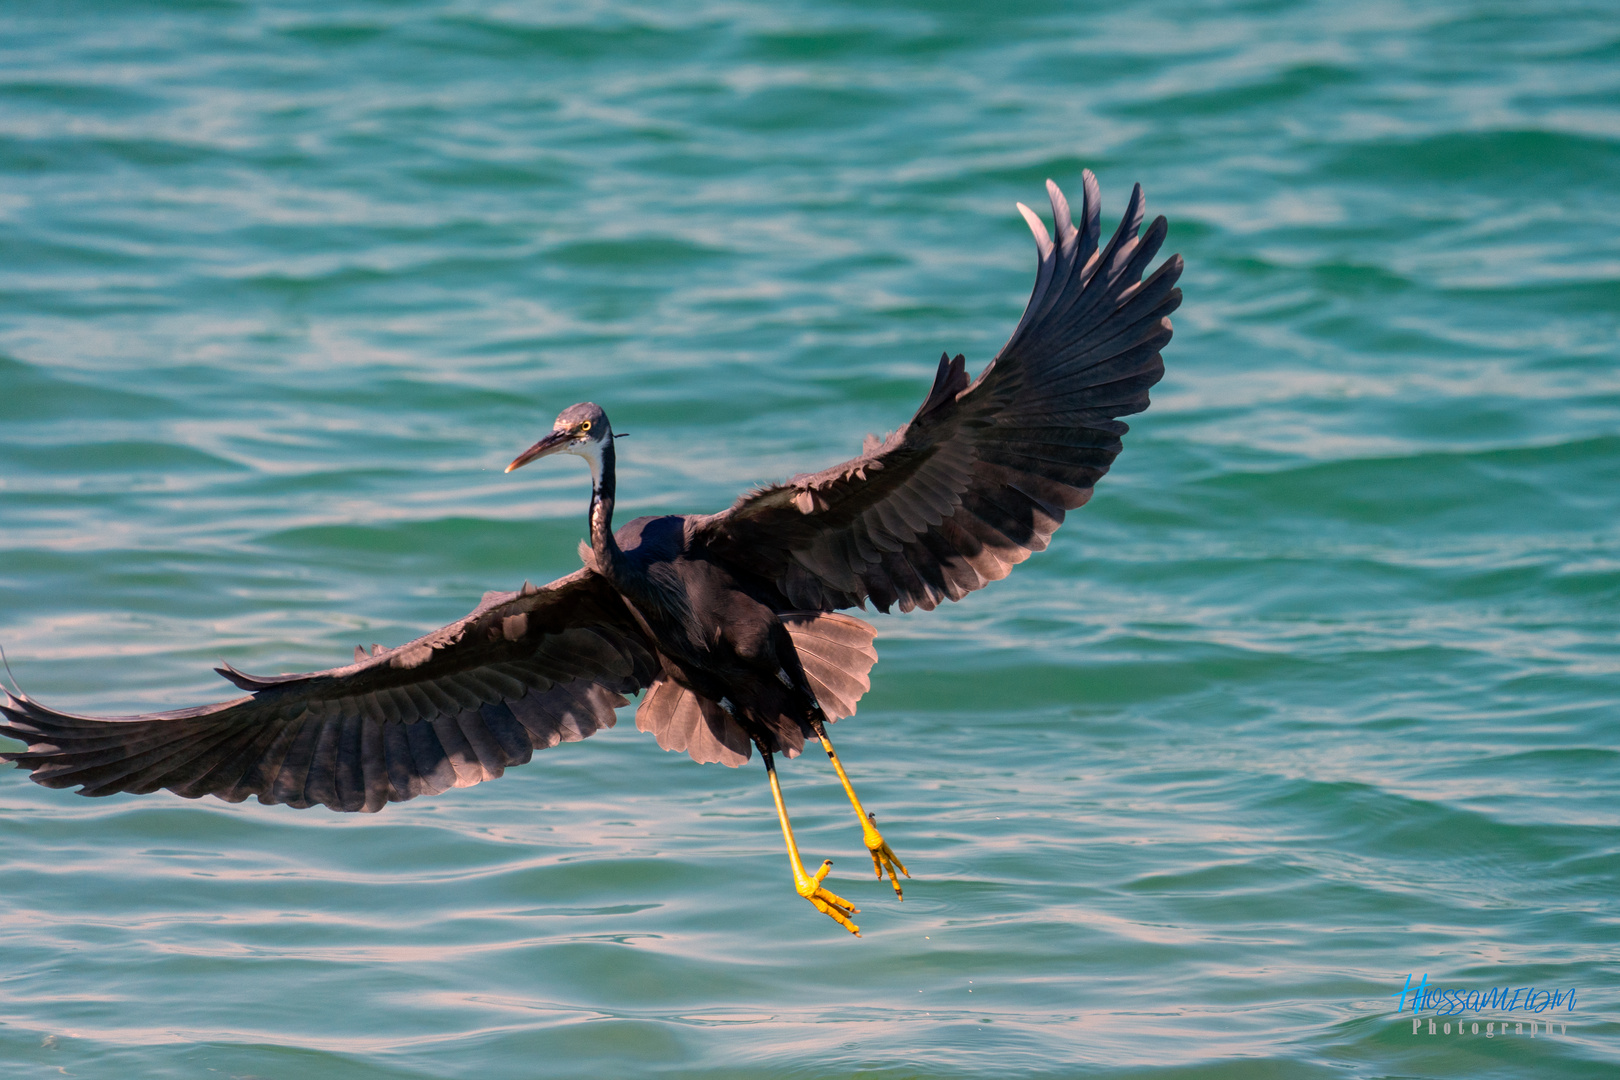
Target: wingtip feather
x,y
1043,240
1062,222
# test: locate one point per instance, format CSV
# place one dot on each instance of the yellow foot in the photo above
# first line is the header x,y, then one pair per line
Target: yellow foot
x,y
828,903
883,857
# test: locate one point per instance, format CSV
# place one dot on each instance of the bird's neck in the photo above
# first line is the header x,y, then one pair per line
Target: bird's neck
x,y
609,559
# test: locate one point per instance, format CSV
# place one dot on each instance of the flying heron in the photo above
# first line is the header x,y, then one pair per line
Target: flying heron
x,y
729,622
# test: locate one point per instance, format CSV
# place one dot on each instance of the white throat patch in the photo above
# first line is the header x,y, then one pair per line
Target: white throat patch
x,y
591,451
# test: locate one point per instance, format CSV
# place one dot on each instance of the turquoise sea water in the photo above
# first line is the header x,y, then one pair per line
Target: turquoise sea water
x,y
1319,692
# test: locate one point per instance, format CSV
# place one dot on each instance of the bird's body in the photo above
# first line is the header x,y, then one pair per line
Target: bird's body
x,y
729,622
717,637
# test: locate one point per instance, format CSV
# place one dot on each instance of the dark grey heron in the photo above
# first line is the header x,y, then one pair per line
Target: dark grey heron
x,y
730,622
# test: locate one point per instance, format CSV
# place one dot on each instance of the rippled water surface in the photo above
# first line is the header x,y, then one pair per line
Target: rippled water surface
x,y
1319,691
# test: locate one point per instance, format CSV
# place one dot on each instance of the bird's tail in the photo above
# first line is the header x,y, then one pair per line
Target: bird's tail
x,y
836,653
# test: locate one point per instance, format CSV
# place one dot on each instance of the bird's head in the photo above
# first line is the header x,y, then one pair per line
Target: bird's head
x,y
582,430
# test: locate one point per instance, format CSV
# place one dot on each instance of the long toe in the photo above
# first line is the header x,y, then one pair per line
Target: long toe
x,y
826,901
836,908
883,856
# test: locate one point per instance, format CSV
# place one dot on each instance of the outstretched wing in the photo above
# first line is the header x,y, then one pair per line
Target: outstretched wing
x,y
523,672
983,474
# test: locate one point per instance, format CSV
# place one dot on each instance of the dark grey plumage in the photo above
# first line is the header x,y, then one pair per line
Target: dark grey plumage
x,y
727,619
523,672
984,473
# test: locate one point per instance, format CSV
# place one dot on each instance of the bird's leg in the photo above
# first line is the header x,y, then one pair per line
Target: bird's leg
x,y
883,857
808,885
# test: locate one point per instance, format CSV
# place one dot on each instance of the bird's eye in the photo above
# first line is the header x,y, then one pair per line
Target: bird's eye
x,y
586,426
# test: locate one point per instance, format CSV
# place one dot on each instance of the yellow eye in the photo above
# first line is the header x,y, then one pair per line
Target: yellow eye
x,y
586,426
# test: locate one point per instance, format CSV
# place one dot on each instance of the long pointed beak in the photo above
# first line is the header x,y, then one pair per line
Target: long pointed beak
x,y
548,445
